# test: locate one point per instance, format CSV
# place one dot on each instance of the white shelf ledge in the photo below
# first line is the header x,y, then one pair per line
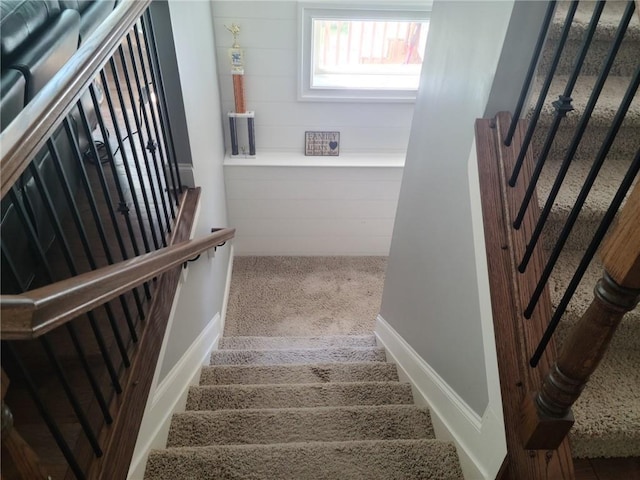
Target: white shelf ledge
x,y
294,159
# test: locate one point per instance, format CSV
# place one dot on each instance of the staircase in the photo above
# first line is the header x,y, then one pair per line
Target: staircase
x,y
302,408
608,412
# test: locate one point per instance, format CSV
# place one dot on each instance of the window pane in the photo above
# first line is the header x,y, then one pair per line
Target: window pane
x,y
367,54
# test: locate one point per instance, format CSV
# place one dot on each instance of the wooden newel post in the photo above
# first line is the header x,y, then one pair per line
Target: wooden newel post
x,y
547,414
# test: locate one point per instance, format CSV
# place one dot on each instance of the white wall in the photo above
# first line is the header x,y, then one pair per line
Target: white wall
x,y
293,210
269,37
284,203
202,294
431,291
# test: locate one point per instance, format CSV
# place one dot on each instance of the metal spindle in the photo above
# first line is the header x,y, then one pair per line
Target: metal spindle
x,y
626,184
152,110
151,145
44,413
134,151
123,152
122,208
584,191
33,236
76,344
551,7
165,121
66,251
562,107
77,219
149,177
580,130
75,404
543,94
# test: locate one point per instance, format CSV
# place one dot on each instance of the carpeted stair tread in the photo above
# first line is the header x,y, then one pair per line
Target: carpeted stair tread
x,y
626,142
298,355
562,274
599,48
606,414
285,425
221,397
595,206
355,460
271,343
310,373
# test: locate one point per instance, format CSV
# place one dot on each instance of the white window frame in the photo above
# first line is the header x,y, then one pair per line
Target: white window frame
x,y
357,11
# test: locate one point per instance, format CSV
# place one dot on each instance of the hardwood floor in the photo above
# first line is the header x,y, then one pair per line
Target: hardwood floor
x,y
607,468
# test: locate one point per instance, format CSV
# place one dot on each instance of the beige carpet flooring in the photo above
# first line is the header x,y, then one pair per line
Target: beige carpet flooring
x,y
304,296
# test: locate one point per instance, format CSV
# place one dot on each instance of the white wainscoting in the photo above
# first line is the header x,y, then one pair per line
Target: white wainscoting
x,y
479,440
322,208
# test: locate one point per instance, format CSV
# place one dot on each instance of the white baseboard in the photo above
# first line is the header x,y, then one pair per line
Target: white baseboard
x,y
227,289
170,396
480,441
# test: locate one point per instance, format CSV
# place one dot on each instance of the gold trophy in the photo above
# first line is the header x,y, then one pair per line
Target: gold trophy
x,y
237,69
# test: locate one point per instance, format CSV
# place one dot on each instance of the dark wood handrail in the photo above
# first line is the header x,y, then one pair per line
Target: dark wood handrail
x,y
28,132
38,311
546,414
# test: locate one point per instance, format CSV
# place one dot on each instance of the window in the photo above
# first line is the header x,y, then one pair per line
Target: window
x,y
361,53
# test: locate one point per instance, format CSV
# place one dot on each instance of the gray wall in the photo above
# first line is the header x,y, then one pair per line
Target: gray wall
x,y
202,294
431,290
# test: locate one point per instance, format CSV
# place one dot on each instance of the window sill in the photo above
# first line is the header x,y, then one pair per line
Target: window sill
x,y
294,159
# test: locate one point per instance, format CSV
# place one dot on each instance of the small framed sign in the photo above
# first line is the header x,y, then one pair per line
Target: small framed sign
x,y
322,143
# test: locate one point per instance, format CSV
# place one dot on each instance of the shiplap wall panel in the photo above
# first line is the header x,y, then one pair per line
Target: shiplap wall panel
x,y
303,210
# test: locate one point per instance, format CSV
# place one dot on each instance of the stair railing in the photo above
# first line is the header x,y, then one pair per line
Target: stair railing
x,y
95,228
537,411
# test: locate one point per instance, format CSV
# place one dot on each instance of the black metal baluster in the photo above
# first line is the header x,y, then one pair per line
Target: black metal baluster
x,y
562,107
89,191
122,208
127,169
134,151
77,220
532,68
582,126
77,409
626,184
66,250
149,177
151,145
165,121
152,109
584,191
543,93
33,236
76,344
46,416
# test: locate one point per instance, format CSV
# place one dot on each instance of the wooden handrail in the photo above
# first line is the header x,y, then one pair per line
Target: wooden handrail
x,y
38,311
547,413
29,131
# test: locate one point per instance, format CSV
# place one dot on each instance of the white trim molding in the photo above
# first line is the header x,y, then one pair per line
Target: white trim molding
x,y
170,396
480,440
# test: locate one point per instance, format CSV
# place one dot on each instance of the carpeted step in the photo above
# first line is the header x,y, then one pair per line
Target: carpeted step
x,y
597,202
298,355
312,373
626,142
272,343
285,425
355,460
221,397
626,60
